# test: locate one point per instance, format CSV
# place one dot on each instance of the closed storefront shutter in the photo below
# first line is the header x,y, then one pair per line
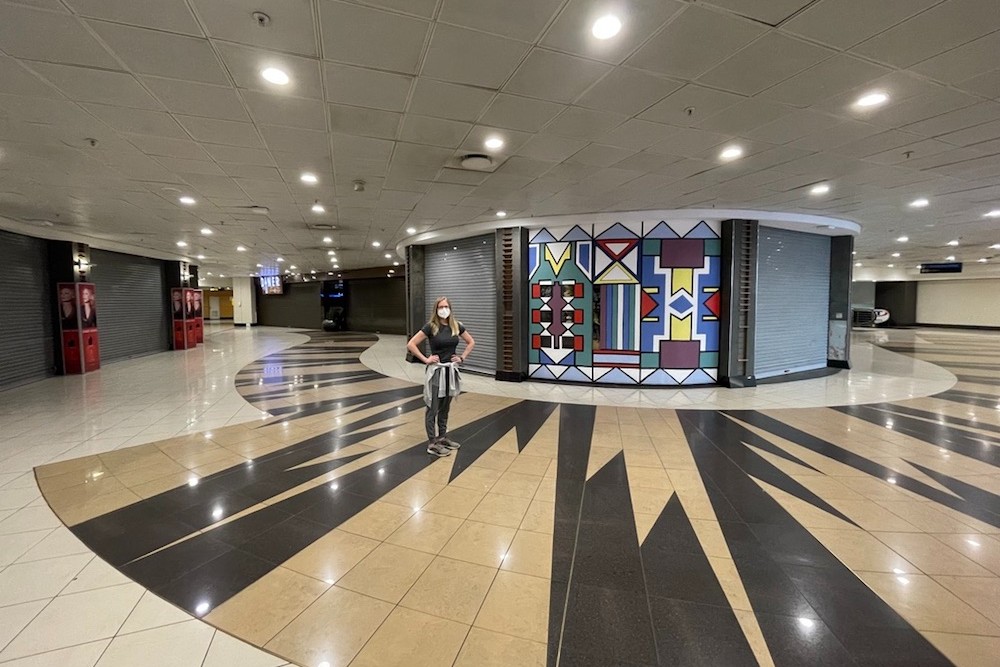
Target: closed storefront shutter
x,y
793,302
132,315
464,271
26,344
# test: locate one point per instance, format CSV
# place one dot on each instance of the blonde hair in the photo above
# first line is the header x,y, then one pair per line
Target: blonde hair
x,y
436,321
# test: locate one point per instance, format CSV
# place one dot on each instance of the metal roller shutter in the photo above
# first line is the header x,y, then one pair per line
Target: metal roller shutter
x,y
793,302
464,271
132,313
26,352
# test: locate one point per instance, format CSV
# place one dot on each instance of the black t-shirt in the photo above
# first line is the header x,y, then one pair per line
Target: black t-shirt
x,y
444,344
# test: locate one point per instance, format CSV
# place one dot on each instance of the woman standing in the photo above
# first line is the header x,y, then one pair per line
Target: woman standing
x,y
442,381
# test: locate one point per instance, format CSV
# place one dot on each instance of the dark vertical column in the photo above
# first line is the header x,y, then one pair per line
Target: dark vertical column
x,y
841,273
900,299
415,315
178,276
512,294
739,285
76,345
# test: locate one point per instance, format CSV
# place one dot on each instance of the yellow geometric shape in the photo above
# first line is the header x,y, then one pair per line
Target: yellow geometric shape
x,y
682,279
555,263
616,274
680,328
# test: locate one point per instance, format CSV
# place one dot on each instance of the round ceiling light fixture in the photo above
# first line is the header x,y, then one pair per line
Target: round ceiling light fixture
x,y
995,213
411,230
820,189
388,255
318,208
187,201
376,244
327,239
903,239
895,254
309,178
494,143
919,203
872,99
182,244
476,162
201,257
953,243
731,152
205,231
606,27
240,248
501,214
274,75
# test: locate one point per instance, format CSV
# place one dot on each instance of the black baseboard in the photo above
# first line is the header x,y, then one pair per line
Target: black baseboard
x,y
509,376
738,382
971,327
803,375
837,363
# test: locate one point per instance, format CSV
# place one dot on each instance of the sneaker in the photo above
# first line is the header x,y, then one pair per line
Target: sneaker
x,y
450,444
437,449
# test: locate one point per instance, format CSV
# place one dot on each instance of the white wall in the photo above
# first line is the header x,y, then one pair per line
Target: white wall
x,y
960,302
244,301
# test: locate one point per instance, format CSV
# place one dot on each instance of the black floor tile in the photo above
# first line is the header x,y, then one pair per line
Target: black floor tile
x,y
684,576
337,507
794,547
607,627
695,634
161,568
607,555
209,585
799,641
285,540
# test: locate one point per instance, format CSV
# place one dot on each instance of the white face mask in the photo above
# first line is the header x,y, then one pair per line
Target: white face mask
x,y
444,313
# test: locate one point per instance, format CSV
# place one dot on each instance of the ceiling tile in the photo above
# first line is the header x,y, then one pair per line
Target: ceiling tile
x,y
363,87
365,122
959,119
688,142
433,131
600,155
465,56
637,134
922,107
897,155
520,113
479,134
159,146
679,49
517,19
987,85
767,61
584,123
627,91
359,35
137,121
271,109
168,15
973,135
29,33
744,116
940,28
877,143
246,63
571,31
213,131
197,99
793,126
254,156
83,84
771,12
448,100
548,147
703,103
291,28
423,8
554,76
824,80
838,135
16,80
966,61
647,161
261,172
346,145
523,166
162,54
185,166
844,23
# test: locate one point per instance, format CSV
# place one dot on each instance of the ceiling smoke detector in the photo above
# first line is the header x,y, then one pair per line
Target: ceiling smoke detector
x,y
359,185
261,19
476,162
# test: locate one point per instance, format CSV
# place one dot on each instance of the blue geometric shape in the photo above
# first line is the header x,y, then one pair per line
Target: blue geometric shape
x,y
583,252
574,375
543,373
681,304
542,236
701,231
570,360
576,234
618,231
662,231
616,376
544,358
699,377
660,377
532,260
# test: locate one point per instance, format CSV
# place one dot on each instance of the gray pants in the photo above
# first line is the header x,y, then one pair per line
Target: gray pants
x,y
438,410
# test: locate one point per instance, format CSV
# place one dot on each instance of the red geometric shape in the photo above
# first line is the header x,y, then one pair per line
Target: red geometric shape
x,y
536,316
648,304
577,317
578,290
536,342
712,303
618,249
536,291
578,343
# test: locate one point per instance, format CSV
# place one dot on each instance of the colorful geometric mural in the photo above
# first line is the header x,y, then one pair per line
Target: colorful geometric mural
x,y
626,303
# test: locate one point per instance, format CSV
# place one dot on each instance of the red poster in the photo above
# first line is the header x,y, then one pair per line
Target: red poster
x,y
178,311
77,308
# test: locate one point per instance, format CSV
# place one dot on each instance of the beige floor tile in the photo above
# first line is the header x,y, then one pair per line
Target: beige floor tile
x,y
410,638
477,479
517,484
873,517
711,537
152,612
982,549
97,574
16,545
599,457
454,501
484,648
57,543
500,510
14,617
332,630
751,630
530,465
451,589
425,531
648,500
518,605
413,493
387,572
257,613
924,516
729,578
930,555
540,517
332,556
179,644
495,460
927,605
966,650
378,520
75,619
481,543
28,519
35,580
82,655
859,550
530,553
643,524
980,593
547,489
226,651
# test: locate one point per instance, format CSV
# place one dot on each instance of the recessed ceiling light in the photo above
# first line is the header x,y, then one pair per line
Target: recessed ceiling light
x,y
949,258
820,189
995,246
187,200
260,266
892,266
312,271
872,99
309,178
281,259
275,76
206,231
903,239
606,27
182,244
327,239
336,266
395,263
330,252
222,275
494,142
388,255
209,273
919,203
201,257
895,254
376,244
293,267
411,230
731,152
240,248
983,260
501,214
953,243
318,208
857,264
995,213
